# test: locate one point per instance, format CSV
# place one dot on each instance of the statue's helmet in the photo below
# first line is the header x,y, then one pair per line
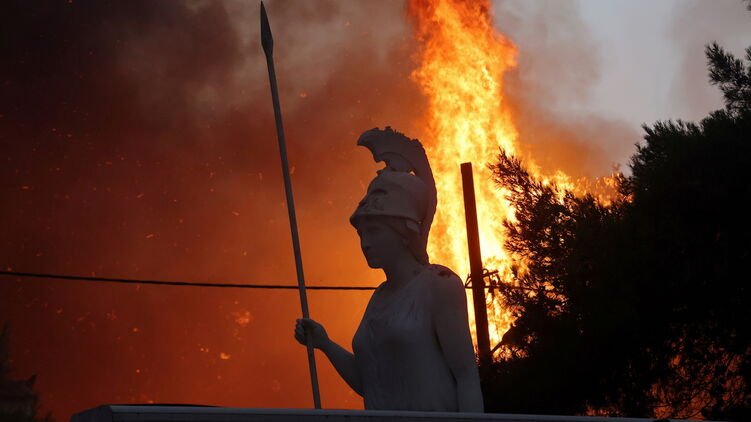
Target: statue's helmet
x,y
404,188
394,194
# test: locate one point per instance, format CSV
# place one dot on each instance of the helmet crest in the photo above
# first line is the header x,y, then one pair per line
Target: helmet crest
x,y
404,188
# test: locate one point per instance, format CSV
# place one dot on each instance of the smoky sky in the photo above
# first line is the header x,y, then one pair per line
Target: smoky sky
x,y
696,24
559,64
137,140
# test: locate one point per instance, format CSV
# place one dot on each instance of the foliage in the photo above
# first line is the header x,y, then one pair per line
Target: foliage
x,y
733,78
5,371
639,308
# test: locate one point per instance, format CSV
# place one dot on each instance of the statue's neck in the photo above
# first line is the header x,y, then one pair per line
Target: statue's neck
x,y
401,272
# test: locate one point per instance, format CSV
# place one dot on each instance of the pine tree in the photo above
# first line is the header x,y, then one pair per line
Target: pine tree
x,y
639,308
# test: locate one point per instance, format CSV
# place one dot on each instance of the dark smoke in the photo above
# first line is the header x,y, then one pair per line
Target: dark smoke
x,y
138,141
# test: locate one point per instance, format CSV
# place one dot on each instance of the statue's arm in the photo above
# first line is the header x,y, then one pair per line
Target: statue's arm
x,y
343,361
452,326
345,364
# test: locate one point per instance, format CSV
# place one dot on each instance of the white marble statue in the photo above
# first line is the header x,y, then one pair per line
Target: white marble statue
x,y
412,350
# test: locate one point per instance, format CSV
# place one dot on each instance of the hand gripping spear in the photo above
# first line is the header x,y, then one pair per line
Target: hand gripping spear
x,y
268,48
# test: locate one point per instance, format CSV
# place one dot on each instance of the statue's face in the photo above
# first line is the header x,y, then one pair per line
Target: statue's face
x,y
380,243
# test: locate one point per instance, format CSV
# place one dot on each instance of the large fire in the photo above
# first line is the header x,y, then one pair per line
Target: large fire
x,y
462,63
188,187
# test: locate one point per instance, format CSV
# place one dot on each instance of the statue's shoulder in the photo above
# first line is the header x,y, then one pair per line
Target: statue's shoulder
x,y
443,276
440,271
446,288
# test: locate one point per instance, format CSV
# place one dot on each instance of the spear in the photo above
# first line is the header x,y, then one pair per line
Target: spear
x,y
268,48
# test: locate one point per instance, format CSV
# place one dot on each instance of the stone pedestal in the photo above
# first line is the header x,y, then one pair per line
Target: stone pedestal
x,y
158,413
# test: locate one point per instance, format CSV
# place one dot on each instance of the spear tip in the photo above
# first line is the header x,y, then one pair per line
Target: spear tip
x,y
267,41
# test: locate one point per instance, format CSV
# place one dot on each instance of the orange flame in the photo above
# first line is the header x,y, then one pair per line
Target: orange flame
x,y
463,59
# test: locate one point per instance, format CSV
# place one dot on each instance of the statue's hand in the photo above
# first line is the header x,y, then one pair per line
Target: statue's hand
x,y
318,336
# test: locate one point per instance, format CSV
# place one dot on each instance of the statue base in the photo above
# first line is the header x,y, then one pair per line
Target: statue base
x,y
187,413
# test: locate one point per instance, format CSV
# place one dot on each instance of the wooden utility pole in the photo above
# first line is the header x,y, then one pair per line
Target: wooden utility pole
x,y
475,265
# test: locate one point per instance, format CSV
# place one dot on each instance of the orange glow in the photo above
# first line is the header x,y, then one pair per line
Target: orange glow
x,y
463,59
188,187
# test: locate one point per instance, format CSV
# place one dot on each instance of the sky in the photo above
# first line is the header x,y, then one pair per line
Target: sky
x,y
665,58
138,141
648,54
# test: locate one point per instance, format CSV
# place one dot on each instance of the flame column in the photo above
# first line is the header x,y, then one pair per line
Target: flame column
x,y
475,265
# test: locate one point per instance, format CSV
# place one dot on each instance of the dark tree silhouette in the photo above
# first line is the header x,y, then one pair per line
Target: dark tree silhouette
x,y
639,308
733,78
18,401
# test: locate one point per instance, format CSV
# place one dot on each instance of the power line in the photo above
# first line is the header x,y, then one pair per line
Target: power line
x,y
205,284
179,283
